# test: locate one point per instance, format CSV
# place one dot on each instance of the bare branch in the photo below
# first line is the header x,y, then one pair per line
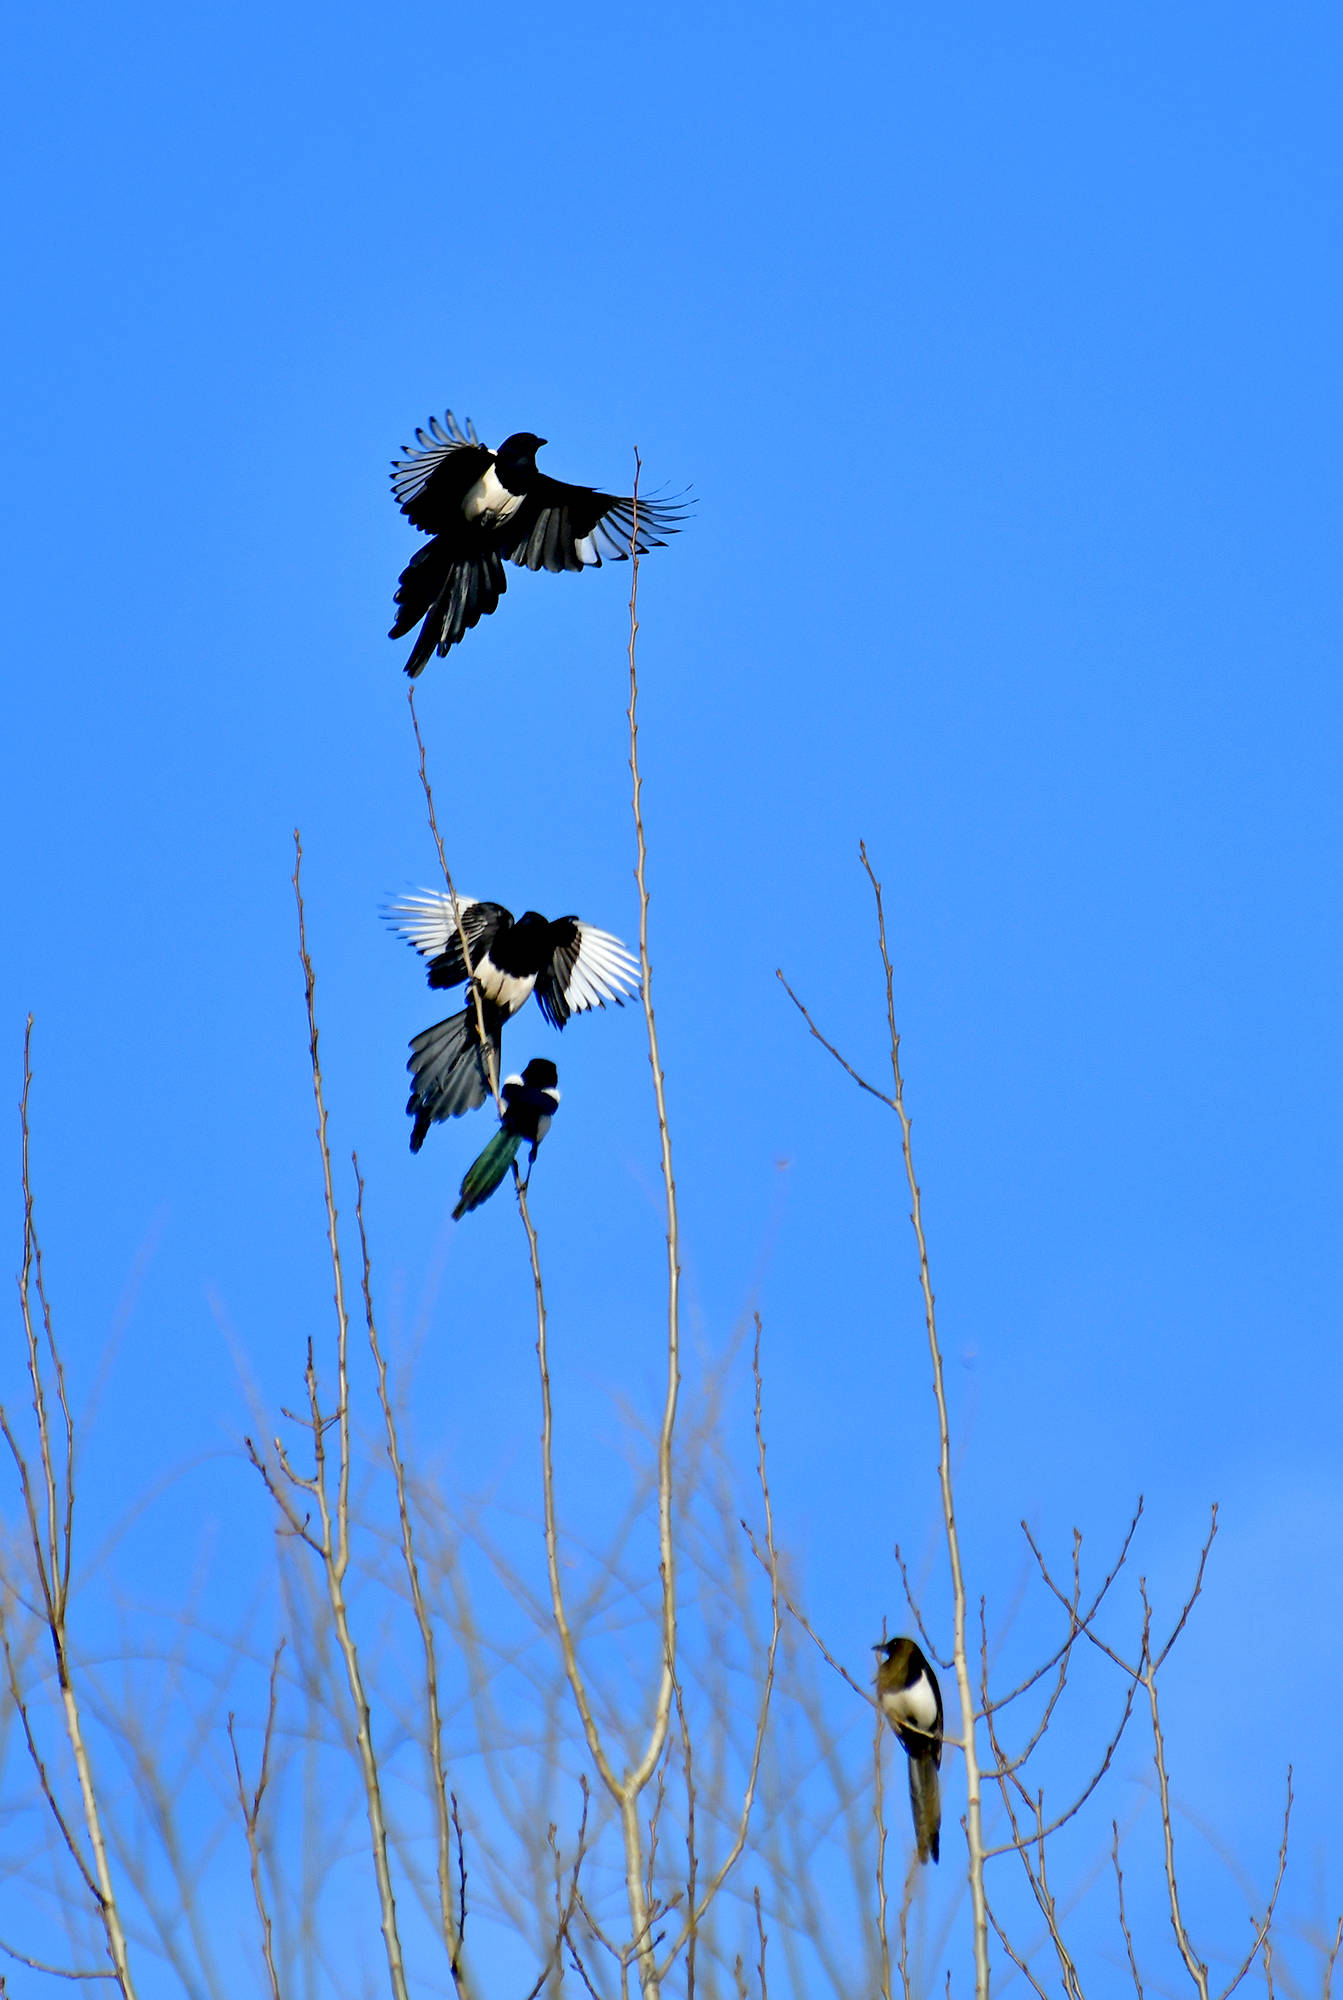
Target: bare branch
x,y
56,1971
476,998
52,1557
843,1061
1123,1918
334,1547
1195,1967
251,1815
452,1923
1012,1952
917,1613
1262,1929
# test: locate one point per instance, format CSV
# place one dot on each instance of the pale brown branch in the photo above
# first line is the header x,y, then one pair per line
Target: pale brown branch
x,y
1006,1768
56,1971
1012,1952
566,1907
297,1527
39,1765
973,1811
910,1599
52,1555
1197,1970
1261,1936
801,1618
1331,1961
1123,1917
692,1856
696,1916
1076,1625
251,1814
879,1817
640,1774
1190,1601
452,1924
843,1061
335,1533
476,999
764,1940
568,1649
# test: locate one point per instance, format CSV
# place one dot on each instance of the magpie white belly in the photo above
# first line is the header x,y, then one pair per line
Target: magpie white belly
x,y
504,988
912,1705
490,496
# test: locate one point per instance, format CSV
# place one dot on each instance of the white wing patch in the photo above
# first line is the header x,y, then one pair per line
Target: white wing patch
x,y
413,470
612,535
604,970
425,920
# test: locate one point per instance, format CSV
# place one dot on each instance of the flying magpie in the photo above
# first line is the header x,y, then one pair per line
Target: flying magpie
x,y
911,1701
568,965
530,1102
484,508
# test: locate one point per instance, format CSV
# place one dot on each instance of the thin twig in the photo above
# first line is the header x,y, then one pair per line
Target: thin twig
x,y
251,1815
475,997
433,1723
56,1971
52,1554
335,1526
1331,1961
1262,1929
1123,1916
879,1818
895,1099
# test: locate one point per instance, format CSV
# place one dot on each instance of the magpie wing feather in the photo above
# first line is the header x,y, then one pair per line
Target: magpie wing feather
x,y
587,968
560,527
426,921
433,476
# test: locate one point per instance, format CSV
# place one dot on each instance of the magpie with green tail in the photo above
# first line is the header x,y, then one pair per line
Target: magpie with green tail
x,y
485,508
911,1701
530,1102
570,966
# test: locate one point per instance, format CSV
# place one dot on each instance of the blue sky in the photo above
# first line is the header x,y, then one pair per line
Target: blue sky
x,y
1002,359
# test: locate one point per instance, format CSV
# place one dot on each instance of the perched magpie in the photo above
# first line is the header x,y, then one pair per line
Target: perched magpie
x,y
911,1701
484,508
530,1102
568,965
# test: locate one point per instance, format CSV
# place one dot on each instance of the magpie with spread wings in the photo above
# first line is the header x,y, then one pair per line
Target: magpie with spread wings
x,y
484,508
569,966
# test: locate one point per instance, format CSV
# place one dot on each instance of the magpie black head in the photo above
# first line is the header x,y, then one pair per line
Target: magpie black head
x,y
515,460
903,1657
541,1074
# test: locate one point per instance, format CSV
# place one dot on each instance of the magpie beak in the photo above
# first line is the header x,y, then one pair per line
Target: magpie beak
x,y
484,508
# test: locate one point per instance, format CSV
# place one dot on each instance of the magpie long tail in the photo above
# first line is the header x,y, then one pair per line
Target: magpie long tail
x,y
925,1799
451,593
449,1074
485,1172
